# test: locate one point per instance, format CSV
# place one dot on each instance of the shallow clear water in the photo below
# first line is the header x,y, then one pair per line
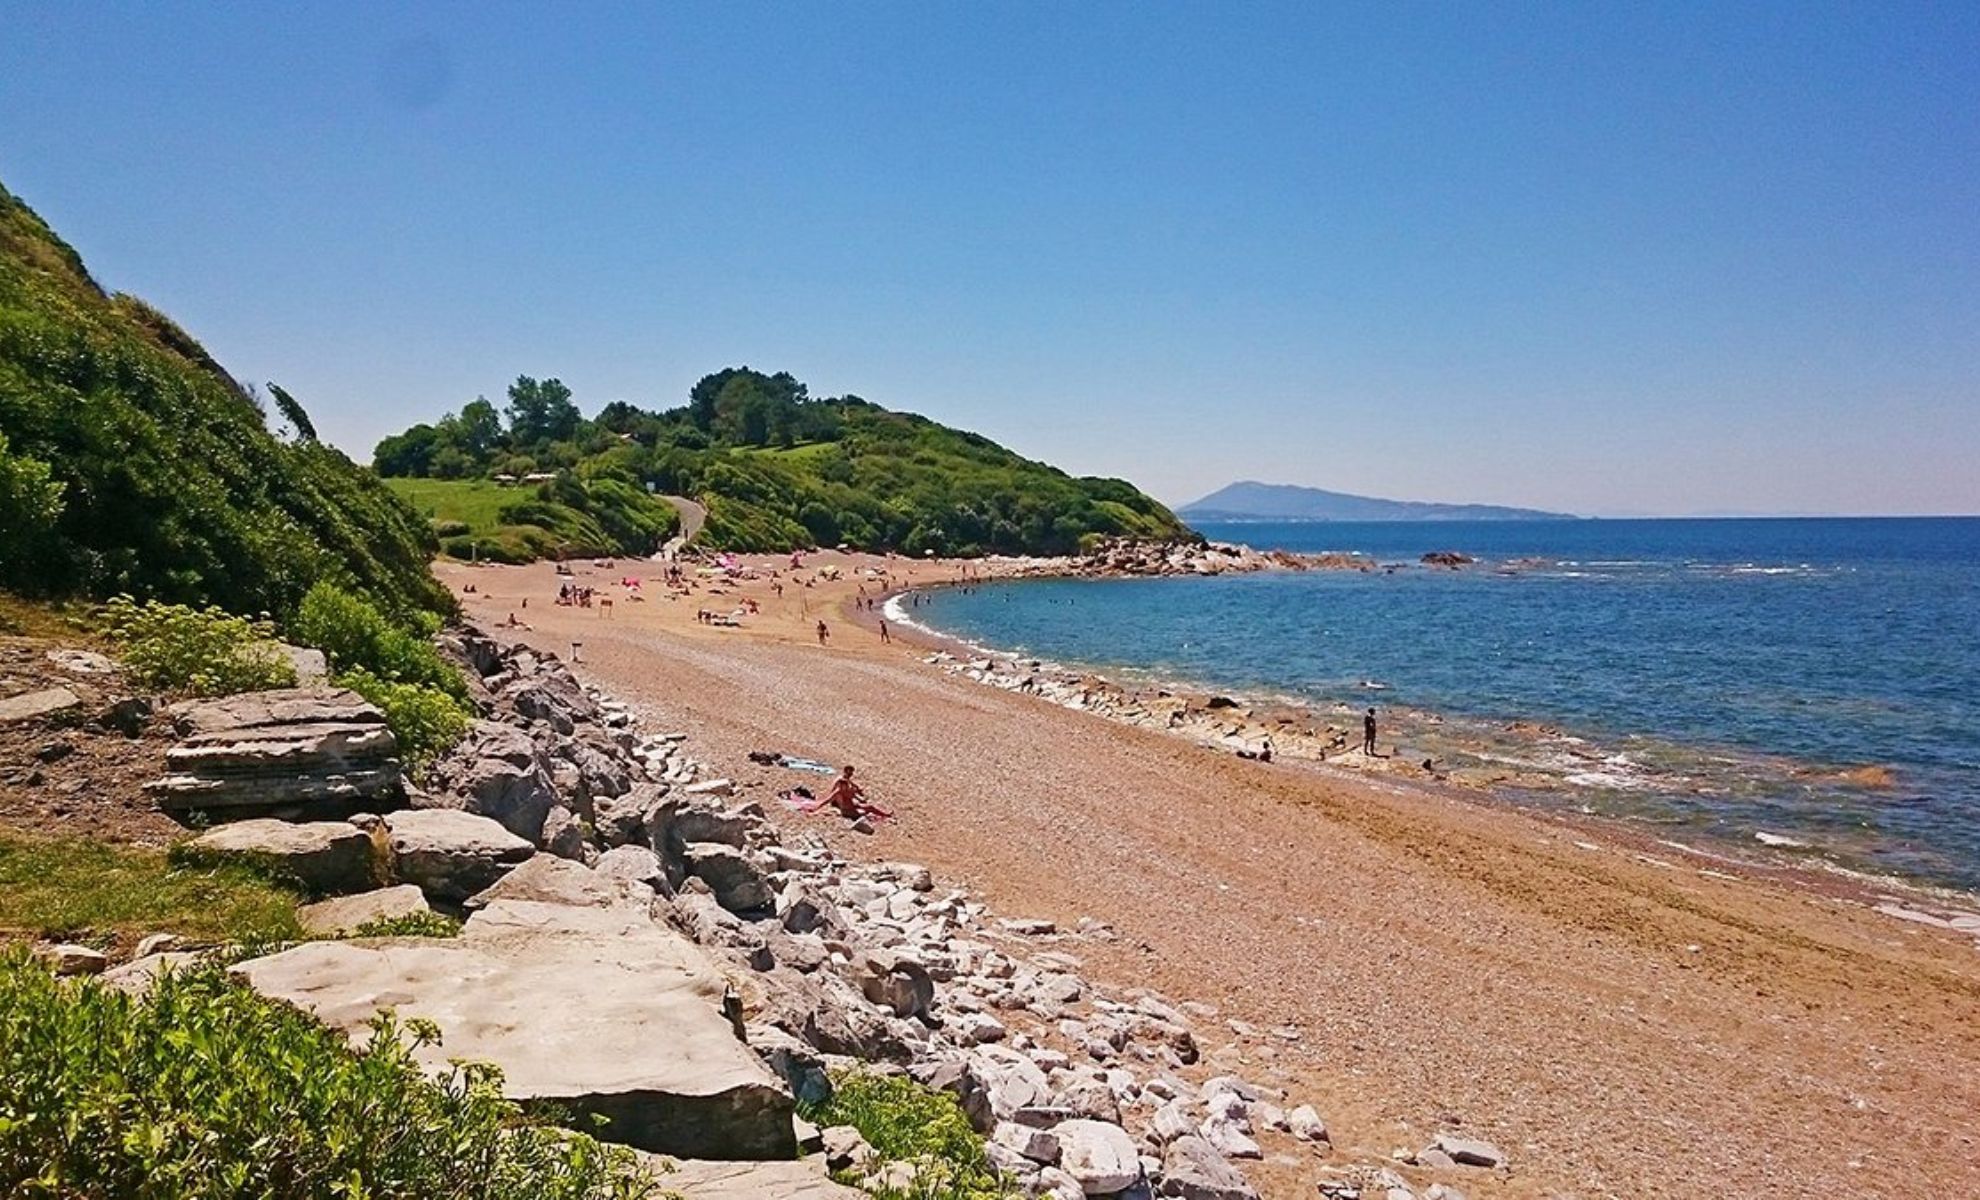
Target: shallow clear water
x,y
1729,669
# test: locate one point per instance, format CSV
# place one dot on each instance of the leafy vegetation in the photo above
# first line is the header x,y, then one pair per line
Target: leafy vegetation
x,y
426,721
133,463
775,467
417,924
203,1090
94,892
200,651
906,1122
422,695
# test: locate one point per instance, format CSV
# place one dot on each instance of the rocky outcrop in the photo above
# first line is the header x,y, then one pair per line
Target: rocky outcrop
x,y
292,751
599,1010
328,858
452,855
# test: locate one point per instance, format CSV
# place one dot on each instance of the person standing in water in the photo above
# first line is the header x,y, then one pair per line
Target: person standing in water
x,y
1368,734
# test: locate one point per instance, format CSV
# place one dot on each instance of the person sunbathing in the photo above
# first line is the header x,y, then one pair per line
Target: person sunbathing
x,y
850,799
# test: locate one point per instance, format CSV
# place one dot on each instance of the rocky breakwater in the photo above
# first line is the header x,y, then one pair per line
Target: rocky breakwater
x,y
1185,557
642,948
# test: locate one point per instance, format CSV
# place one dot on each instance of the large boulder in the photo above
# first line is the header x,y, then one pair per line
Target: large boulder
x,y
1101,1157
496,772
326,857
597,1010
347,914
452,855
739,884
1193,1170
552,695
547,879
292,750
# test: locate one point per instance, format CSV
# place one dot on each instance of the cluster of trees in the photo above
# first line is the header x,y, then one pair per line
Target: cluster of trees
x,y
131,462
779,468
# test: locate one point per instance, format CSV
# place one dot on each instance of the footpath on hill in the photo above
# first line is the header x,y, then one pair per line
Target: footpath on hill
x,y
1621,1017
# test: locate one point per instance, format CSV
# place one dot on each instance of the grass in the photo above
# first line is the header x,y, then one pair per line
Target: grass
x,y
476,503
91,892
75,624
906,1122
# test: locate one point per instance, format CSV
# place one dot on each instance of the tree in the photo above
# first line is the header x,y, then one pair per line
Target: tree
x,y
293,413
480,429
407,454
540,411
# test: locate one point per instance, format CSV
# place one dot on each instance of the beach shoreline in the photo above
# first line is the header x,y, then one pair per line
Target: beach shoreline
x,y
1444,960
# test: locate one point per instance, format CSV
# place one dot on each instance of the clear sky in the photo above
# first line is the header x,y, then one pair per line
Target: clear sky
x,y
1662,258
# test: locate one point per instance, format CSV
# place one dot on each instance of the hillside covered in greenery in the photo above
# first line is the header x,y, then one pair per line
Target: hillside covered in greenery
x,y
776,468
131,462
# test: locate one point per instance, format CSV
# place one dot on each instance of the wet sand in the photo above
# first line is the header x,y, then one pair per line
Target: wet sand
x,y
1622,1018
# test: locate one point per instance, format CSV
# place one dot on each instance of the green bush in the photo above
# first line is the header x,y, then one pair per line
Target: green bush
x,y
202,1090
427,721
906,1122
355,636
203,651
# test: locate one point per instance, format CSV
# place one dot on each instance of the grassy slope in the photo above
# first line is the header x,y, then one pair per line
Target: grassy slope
x,y
172,484
551,529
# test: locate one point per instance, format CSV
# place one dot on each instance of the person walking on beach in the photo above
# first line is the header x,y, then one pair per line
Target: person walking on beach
x,y
885,638
1368,734
824,634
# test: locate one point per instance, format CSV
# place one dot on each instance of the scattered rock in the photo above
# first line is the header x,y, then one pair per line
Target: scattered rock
x,y
347,914
32,705
1101,1158
547,879
739,884
846,1150
326,857
68,958
1193,1170
1468,1151
452,855
1306,1125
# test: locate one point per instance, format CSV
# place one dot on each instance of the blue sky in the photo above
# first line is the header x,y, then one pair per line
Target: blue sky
x,y
1612,259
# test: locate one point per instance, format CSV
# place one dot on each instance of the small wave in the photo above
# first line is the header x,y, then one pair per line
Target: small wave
x,y
1777,839
1606,780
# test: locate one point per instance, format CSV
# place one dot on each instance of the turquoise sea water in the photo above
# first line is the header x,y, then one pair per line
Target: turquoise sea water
x,y
1718,676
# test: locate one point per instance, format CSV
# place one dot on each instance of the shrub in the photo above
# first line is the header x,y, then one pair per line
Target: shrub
x,y
906,1122
200,650
355,636
203,1090
427,721
448,529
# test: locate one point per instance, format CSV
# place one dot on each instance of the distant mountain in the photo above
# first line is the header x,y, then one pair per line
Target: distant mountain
x,y
1250,501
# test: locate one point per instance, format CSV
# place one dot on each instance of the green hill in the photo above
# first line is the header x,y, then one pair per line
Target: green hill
x,y
775,467
130,461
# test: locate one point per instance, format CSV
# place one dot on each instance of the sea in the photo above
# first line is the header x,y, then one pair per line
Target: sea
x,y
1810,687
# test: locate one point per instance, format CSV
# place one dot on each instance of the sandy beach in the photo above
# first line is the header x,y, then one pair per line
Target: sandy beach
x,y
1623,1018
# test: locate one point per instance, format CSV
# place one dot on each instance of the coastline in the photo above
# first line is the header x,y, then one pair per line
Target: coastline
x,y
1439,957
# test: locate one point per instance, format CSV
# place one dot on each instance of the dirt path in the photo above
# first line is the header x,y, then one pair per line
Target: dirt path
x,y
1622,1022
